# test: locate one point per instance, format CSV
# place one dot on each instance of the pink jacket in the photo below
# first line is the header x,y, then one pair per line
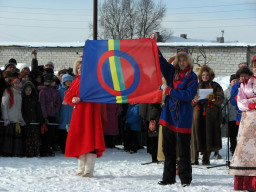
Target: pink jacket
x,y
246,93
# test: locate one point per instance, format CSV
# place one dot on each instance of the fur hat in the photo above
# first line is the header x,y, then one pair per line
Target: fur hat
x,y
207,69
184,55
7,74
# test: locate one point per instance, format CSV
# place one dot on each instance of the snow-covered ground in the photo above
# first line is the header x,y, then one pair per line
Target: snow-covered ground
x,y
115,171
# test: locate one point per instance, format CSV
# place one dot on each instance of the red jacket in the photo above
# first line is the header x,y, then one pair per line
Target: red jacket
x,y
85,132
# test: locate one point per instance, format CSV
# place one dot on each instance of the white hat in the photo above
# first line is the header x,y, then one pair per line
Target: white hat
x,y
21,66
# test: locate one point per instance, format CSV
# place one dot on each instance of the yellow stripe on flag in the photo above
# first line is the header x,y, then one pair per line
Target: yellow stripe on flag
x,y
113,70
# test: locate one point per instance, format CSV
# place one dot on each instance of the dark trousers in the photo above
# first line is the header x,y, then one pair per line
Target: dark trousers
x,y
62,139
48,137
130,140
153,146
109,141
170,139
233,130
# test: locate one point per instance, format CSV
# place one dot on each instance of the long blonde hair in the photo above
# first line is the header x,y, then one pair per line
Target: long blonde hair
x,y
76,64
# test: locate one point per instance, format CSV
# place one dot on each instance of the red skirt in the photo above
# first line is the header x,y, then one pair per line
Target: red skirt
x,y
245,182
85,132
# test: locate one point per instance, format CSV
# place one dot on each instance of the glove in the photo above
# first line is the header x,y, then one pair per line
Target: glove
x,y
43,128
163,87
17,128
252,106
6,122
22,123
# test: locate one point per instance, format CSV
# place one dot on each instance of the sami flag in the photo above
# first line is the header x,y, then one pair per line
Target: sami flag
x,y
120,71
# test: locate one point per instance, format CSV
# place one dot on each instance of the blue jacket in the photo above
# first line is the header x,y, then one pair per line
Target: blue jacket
x,y
234,93
65,113
132,117
177,112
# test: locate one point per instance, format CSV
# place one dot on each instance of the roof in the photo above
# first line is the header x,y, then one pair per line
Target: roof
x,y
166,44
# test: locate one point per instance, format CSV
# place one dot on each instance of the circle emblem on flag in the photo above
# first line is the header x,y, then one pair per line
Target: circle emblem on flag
x,y
132,62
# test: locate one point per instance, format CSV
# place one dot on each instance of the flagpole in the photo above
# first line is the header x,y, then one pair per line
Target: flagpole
x,y
95,19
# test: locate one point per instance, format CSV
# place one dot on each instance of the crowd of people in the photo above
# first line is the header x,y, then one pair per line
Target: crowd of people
x,y
37,107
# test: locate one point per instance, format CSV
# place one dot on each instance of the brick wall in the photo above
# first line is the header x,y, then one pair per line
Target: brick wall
x,y
62,57
224,60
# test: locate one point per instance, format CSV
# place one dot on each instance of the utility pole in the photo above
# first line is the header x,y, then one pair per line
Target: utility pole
x,y
95,19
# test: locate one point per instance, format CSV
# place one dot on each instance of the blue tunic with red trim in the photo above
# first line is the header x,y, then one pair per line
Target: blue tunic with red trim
x,y
233,101
177,112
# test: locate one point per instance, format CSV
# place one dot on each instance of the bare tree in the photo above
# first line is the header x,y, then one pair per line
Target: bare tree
x,y
122,19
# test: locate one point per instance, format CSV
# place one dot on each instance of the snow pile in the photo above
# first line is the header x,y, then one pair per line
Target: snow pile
x,y
223,81
115,171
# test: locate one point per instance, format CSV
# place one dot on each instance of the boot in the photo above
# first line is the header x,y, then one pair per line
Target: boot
x,y
81,165
89,165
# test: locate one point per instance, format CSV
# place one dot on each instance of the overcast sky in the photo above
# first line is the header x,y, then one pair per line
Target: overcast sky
x,y
68,20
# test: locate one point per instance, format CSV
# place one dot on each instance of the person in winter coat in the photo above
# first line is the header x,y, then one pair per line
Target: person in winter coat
x,y
150,112
132,128
85,139
242,74
244,162
65,113
35,77
207,117
50,101
111,130
11,114
176,116
32,115
231,114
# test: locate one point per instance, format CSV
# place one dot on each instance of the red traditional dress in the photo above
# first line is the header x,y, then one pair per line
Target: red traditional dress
x,y
85,131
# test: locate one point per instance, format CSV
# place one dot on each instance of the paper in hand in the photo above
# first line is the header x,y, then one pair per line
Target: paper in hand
x,y
203,93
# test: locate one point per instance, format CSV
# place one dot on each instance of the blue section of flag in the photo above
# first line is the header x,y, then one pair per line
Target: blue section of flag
x,y
90,88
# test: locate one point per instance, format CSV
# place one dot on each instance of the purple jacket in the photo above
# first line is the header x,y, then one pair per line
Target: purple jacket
x,y
49,98
113,110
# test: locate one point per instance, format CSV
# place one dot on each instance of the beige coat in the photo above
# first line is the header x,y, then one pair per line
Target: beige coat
x,y
12,114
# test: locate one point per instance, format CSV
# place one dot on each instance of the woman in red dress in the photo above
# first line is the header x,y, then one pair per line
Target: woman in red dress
x,y
85,139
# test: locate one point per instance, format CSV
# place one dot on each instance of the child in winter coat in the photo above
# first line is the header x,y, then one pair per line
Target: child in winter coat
x,y
133,127
49,98
11,114
65,113
31,112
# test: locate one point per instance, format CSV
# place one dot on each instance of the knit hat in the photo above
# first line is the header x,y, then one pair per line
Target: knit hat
x,y
232,77
13,61
8,65
22,74
7,74
23,66
66,77
50,63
